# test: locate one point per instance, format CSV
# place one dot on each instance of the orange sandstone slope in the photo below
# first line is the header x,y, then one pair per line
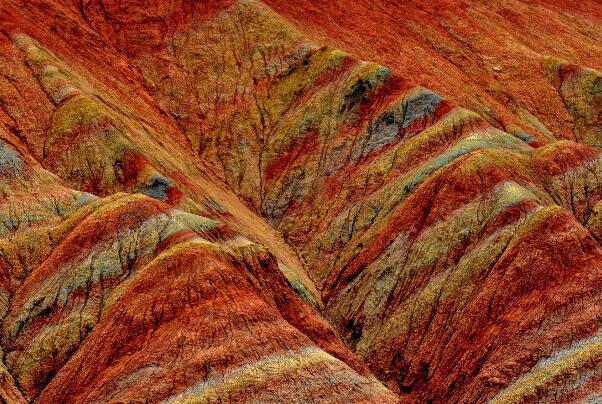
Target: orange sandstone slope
x,y
151,274
201,204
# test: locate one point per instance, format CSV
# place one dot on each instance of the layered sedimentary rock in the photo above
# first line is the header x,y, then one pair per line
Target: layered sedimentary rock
x,y
200,203
147,217
86,277
490,57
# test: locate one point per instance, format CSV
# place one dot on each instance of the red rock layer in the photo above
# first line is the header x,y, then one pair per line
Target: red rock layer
x,y
182,339
488,56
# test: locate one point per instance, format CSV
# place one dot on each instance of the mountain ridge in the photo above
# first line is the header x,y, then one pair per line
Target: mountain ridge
x,y
362,229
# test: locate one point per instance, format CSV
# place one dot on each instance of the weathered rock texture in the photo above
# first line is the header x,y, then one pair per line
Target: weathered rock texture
x,y
201,204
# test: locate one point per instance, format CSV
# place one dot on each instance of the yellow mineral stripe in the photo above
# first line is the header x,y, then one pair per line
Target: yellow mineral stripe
x,y
562,362
252,373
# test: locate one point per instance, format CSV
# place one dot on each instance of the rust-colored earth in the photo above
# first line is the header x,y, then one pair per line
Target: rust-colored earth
x,y
311,201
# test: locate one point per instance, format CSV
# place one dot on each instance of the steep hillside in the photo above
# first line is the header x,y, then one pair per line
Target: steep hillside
x,y
199,203
489,56
156,302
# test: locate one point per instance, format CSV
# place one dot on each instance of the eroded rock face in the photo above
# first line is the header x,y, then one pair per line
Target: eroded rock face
x,y
200,204
488,57
223,319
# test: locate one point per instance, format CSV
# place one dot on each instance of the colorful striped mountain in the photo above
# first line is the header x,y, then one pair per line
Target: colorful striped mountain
x,y
244,201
